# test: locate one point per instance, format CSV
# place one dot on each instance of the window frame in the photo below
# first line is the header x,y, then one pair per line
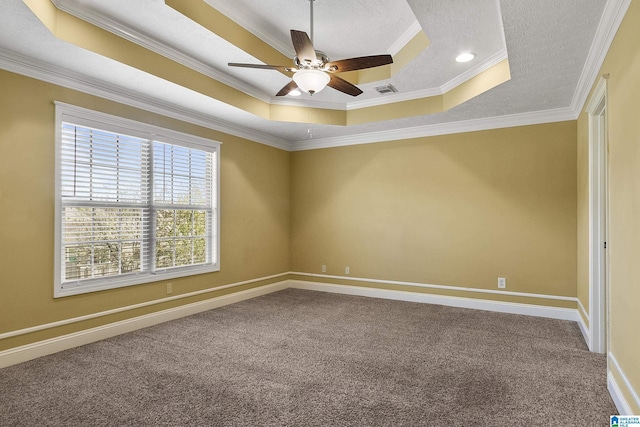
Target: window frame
x,y
110,123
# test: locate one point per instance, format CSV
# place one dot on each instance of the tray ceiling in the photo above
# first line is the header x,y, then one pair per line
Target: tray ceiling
x,y
552,49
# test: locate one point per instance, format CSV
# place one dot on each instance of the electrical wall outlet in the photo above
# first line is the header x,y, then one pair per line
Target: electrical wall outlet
x,y
324,268
502,282
169,288
346,270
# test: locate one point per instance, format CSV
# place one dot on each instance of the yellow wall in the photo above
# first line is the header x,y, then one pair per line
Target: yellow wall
x,y
254,214
457,210
623,113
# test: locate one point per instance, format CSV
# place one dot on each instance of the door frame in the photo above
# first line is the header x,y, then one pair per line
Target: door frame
x,y
599,246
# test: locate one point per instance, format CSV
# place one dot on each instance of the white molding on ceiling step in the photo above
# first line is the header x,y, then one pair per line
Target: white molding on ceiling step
x,y
48,73
145,41
472,72
611,19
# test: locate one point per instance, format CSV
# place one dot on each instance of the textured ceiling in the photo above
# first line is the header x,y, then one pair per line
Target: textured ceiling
x,y
547,42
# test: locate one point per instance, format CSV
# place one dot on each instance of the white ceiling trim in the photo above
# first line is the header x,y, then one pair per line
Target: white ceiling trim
x,y
40,70
394,97
494,59
607,28
614,11
499,122
405,38
29,67
145,41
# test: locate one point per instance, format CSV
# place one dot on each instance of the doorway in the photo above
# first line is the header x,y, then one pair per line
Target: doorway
x,y
598,220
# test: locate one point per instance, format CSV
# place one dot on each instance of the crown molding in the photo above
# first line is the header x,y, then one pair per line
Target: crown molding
x,y
614,11
611,19
488,123
141,39
472,72
393,98
494,59
147,42
405,38
40,70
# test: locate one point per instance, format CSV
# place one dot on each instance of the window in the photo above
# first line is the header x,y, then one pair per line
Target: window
x,y
135,203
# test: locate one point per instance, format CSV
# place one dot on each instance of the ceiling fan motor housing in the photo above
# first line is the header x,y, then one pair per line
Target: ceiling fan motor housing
x,y
321,60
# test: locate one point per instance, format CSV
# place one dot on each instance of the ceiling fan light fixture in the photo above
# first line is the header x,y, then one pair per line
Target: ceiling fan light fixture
x,y
465,57
311,81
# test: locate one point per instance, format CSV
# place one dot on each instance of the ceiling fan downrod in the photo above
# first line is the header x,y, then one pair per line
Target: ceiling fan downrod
x,y
313,69
311,19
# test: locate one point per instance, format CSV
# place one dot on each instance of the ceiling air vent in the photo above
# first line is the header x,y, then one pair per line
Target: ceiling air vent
x,y
386,89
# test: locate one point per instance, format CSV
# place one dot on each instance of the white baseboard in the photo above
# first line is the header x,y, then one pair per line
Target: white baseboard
x,y
42,348
53,345
417,285
623,406
586,334
478,304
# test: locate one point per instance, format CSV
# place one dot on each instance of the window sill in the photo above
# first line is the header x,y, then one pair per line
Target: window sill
x,y
76,288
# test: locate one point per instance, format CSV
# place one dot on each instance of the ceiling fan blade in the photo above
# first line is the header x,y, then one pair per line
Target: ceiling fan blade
x,y
261,66
303,46
359,63
288,88
343,86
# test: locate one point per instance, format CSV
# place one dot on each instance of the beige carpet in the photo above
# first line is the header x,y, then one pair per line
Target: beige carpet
x,y
303,358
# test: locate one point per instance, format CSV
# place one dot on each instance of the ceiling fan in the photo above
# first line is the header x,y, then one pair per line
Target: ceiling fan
x,y
313,70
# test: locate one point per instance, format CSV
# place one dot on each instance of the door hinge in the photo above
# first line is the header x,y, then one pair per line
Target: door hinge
x,y
605,245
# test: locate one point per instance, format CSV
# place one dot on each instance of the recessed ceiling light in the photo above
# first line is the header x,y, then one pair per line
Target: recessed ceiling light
x,y
295,92
465,57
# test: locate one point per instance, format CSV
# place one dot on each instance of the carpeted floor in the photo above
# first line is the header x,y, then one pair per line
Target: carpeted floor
x,y
303,358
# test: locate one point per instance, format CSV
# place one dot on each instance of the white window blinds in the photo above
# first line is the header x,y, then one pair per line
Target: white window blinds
x,y
104,179
131,209
182,195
